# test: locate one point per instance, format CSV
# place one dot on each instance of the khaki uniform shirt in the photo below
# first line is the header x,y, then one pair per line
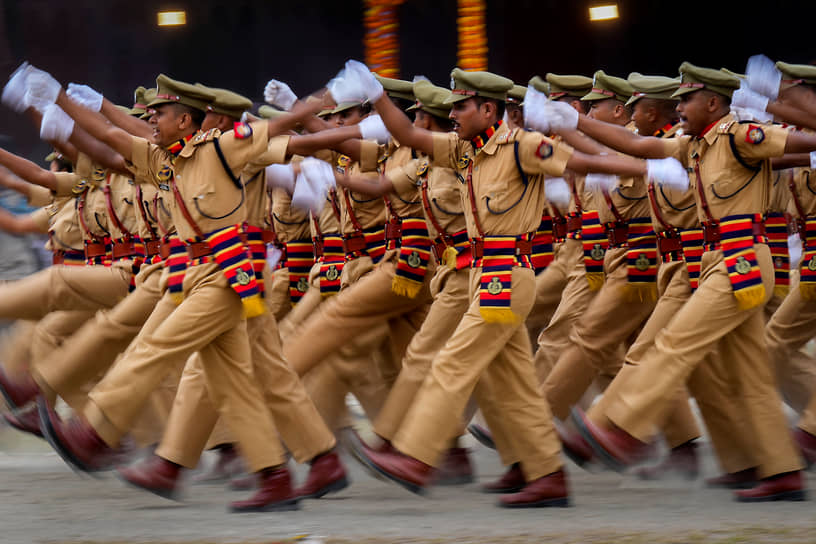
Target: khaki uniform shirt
x,y
730,184
505,206
124,205
400,163
369,211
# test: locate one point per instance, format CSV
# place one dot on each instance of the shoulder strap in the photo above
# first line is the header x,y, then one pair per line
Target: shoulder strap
x,y
112,211
739,158
226,165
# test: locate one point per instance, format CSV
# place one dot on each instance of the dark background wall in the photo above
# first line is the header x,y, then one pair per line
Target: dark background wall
x,y
115,45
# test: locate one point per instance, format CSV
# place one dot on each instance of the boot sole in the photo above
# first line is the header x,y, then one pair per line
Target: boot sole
x,y
356,451
333,487
503,490
605,457
50,435
22,429
481,438
13,406
284,506
172,495
559,503
798,495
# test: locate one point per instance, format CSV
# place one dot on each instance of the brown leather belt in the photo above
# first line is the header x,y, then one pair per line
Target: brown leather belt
x,y
393,230
123,249
559,227
58,257
523,247
152,248
353,242
438,248
164,250
668,244
95,249
711,231
317,246
198,249
269,236
617,233
574,222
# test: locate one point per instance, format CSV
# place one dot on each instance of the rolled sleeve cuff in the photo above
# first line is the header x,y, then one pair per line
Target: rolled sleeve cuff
x,y
40,196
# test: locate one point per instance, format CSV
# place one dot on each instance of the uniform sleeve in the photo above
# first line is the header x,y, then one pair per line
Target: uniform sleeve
x,y
246,143
757,142
541,155
41,218
146,161
40,196
677,148
404,177
83,166
275,154
445,149
370,153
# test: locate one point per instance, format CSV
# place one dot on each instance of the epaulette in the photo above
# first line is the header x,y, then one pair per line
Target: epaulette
x,y
727,127
205,137
508,137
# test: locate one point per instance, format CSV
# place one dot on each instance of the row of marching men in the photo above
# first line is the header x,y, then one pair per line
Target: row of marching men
x,y
407,255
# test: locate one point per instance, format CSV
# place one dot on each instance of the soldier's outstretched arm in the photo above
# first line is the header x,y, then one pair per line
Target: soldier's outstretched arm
x,y
617,165
622,139
18,224
342,139
28,171
379,186
97,126
793,114
401,127
94,101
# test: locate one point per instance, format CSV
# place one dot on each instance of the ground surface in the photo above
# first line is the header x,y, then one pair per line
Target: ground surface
x,y
41,500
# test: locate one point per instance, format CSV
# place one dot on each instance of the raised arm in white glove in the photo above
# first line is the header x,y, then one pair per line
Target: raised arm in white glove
x,y
85,96
282,176
748,99
536,110
42,89
557,192
56,125
763,76
372,128
600,182
278,94
316,178
668,172
15,90
364,80
564,116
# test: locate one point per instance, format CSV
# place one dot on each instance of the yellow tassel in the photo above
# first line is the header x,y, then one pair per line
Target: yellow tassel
x,y
499,315
449,258
595,280
177,298
781,291
808,290
405,287
253,306
640,292
750,297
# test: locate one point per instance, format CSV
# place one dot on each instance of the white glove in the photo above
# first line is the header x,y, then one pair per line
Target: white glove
x,y
15,90
85,96
557,192
316,178
763,77
56,125
746,98
282,176
669,172
358,76
600,182
279,94
42,89
565,117
794,250
813,159
536,111
373,128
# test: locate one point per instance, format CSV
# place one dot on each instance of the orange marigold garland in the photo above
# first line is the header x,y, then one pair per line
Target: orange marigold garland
x,y
381,40
472,35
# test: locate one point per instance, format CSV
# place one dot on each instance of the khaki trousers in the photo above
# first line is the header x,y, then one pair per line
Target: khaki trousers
x,y
64,288
92,350
450,291
790,327
595,339
208,321
549,285
499,354
575,299
709,321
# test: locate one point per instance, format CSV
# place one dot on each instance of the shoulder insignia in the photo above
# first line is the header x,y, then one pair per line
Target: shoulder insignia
x,y
242,130
724,128
79,187
422,169
204,137
464,161
544,150
755,135
98,174
504,138
164,174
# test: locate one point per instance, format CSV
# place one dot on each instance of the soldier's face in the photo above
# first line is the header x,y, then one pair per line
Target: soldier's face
x,y
694,112
469,118
167,125
603,110
348,117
